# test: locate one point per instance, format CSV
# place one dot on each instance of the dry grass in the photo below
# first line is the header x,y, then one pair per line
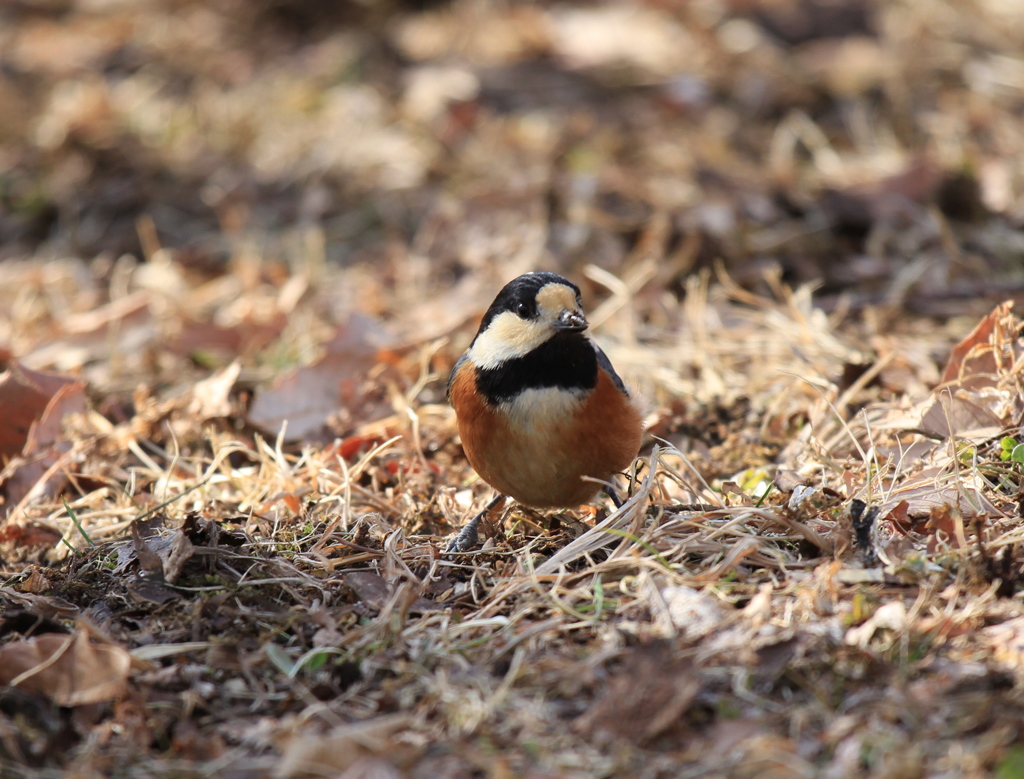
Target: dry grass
x,y
240,262
309,622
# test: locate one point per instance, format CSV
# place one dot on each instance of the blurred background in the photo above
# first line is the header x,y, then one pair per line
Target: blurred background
x,y
187,182
876,146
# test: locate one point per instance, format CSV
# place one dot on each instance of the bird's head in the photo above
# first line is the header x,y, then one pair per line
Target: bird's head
x,y
529,311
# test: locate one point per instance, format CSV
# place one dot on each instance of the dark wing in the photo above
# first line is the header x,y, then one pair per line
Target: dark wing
x,y
606,364
455,370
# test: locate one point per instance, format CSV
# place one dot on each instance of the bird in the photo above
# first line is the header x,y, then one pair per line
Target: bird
x,y
540,409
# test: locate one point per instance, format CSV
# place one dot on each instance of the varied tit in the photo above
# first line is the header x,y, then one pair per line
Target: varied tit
x,y
539,405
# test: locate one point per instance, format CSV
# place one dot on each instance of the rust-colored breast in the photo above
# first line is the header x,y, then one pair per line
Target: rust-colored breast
x,y
543,464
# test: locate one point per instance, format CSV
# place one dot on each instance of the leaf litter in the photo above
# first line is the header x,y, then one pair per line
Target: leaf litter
x,y
230,476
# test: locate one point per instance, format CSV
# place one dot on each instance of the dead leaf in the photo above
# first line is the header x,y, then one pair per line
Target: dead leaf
x,y
959,415
976,353
69,670
191,743
922,495
48,429
181,552
36,583
149,583
890,616
29,534
692,613
653,689
211,397
199,338
370,588
375,593
44,447
24,396
306,398
732,488
149,561
898,515
947,520
773,659
47,607
341,749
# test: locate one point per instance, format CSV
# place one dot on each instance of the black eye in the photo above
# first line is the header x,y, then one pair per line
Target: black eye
x,y
524,310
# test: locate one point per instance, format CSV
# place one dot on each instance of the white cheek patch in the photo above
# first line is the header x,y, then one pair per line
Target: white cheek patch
x,y
506,338
538,411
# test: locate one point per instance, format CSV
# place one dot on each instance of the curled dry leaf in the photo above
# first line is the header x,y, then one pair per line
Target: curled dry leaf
x,y
45,446
157,557
24,396
44,606
974,401
979,352
181,552
69,670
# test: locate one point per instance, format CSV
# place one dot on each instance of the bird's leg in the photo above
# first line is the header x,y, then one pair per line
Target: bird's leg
x,y
469,535
631,477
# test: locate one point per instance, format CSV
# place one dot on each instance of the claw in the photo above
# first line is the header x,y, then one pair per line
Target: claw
x,y
470,534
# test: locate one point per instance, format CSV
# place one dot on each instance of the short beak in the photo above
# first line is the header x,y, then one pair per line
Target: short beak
x,y
572,321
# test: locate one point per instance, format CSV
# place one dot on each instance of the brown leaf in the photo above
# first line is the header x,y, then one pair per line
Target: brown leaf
x,y
958,415
152,591
307,397
373,591
646,697
894,199
47,430
28,534
976,353
150,583
44,446
47,607
342,748
24,395
69,670
36,583
898,516
149,561
927,490
204,338
181,552
946,519
773,659
370,588
190,743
